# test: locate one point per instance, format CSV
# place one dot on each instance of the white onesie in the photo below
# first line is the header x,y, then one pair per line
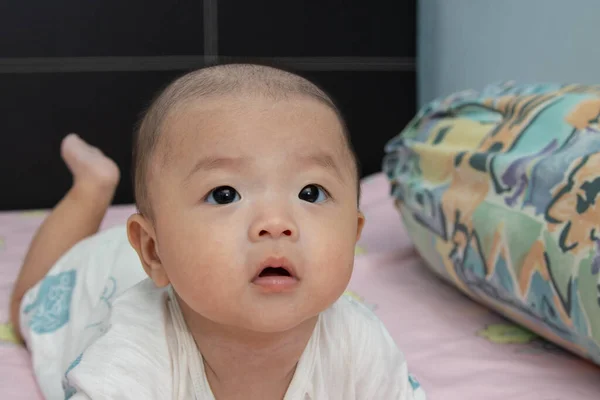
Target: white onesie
x,y
97,328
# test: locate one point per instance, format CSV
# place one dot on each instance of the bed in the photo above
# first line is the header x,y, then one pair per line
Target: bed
x,y
456,348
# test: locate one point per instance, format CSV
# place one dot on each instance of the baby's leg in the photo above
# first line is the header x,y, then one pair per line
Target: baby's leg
x,y
77,216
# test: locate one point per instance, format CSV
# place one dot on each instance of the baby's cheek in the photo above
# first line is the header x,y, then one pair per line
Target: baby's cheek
x,y
334,257
197,284
330,275
205,265
340,240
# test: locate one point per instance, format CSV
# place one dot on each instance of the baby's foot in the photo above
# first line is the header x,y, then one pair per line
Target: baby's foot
x,y
89,166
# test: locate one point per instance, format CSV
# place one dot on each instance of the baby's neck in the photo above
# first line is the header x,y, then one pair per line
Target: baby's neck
x,y
246,364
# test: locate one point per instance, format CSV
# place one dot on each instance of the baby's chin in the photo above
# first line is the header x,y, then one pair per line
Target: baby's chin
x,y
275,320
278,318
280,325
274,313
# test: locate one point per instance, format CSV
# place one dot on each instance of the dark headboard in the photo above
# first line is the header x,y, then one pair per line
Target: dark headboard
x,y
92,67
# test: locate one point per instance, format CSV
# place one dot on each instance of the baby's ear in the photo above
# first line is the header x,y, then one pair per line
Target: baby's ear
x,y
360,225
142,238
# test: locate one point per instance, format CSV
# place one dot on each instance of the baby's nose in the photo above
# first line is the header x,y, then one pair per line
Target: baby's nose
x,y
274,228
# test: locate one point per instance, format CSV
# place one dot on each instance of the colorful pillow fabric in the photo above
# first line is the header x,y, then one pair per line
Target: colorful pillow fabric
x,y
500,193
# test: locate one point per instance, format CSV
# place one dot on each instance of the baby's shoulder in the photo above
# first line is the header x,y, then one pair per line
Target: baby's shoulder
x,y
358,352
352,318
131,356
350,328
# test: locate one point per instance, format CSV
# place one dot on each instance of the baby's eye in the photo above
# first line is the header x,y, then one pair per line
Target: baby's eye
x,y
223,195
313,194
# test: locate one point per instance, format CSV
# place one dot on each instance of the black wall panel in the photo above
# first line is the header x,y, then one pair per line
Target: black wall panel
x,y
83,28
338,44
323,28
101,107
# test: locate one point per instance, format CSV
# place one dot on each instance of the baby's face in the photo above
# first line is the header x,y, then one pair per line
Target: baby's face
x,y
248,184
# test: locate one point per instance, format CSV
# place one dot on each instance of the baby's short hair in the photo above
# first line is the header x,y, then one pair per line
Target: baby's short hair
x,y
216,81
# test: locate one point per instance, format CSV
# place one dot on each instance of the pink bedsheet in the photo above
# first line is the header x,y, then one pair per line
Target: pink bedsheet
x,y
457,349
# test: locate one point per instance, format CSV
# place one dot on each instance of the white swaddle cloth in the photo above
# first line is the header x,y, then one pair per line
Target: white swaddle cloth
x,y
97,328
186,360
329,367
71,307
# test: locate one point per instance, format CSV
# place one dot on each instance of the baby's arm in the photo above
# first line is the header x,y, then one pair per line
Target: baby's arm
x,y
128,362
382,369
122,375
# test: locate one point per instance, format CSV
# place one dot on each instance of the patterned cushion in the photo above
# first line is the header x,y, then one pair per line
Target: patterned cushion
x,y
499,191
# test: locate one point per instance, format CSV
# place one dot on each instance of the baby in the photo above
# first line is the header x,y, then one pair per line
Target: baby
x,y
247,191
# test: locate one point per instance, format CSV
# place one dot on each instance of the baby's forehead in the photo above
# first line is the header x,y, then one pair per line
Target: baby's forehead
x,y
208,123
209,132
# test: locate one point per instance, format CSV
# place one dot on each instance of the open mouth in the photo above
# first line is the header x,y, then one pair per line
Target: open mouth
x,y
276,275
274,271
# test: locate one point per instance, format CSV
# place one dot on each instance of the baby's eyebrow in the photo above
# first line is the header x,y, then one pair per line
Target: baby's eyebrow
x,y
210,163
323,160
